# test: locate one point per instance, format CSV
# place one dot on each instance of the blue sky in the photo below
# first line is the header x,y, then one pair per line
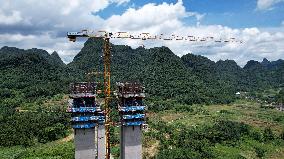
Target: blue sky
x,y
232,13
43,24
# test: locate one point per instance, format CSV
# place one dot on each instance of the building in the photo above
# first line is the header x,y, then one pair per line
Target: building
x,y
132,117
87,120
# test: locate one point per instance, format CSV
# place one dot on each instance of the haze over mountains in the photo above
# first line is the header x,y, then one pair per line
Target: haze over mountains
x,y
189,79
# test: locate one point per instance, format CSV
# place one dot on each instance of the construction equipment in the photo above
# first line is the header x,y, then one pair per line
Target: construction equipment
x,y
86,119
142,36
101,34
106,36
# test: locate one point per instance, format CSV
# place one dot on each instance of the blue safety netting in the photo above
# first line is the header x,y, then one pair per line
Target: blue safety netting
x,y
132,108
84,109
133,123
88,118
136,116
84,126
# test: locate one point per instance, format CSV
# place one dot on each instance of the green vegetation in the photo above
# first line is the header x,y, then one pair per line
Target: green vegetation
x,y
193,109
33,73
51,150
280,96
239,130
190,79
25,127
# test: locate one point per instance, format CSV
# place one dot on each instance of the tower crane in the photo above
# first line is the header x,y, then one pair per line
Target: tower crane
x,y
106,36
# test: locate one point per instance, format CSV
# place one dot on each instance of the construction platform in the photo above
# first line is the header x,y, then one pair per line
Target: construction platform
x,y
87,120
132,117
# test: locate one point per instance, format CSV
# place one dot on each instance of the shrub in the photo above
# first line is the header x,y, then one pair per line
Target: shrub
x,y
268,134
260,152
282,135
256,135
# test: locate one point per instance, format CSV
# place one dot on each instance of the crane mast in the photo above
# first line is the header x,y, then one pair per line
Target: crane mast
x,y
107,91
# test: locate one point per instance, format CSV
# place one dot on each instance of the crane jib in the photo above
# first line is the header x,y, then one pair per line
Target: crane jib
x,y
147,36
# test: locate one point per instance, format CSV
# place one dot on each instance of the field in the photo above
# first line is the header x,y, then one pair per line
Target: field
x,y
241,111
155,138
51,150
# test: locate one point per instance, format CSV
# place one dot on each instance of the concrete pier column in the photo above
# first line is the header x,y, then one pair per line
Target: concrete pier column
x,y
101,142
130,142
85,146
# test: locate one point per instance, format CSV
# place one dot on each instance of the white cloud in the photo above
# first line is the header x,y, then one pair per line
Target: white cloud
x,y
15,37
91,5
257,44
73,4
166,15
65,49
45,25
251,31
120,2
52,15
11,18
267,4
168,18
152,17
42,24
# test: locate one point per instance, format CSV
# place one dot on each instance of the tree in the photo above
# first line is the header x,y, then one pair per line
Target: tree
x,y
268,134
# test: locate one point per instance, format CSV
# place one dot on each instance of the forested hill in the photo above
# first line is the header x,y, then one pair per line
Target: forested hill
x,y
33,72
254,76
189,79
163,73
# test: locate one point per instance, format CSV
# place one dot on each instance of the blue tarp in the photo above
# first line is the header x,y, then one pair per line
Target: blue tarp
x,y
132,108
135,123
84,126
84,109
136,116
88,118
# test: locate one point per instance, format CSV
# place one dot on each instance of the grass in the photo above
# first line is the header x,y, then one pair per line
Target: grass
x,y
241,111
52,150
248,112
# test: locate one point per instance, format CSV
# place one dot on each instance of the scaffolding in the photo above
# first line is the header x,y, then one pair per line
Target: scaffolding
x,y
86,117
132,117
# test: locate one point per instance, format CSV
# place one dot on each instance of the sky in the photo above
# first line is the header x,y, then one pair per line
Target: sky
x,y
43,24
